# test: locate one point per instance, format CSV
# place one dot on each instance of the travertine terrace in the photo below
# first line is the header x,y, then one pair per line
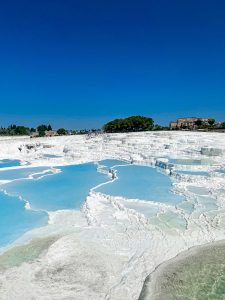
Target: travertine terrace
x,y
106,250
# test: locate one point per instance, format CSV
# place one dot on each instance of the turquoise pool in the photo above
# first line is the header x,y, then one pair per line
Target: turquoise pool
x,y
69,188
20,173
141,182
15,220
65,190
6,163
109,163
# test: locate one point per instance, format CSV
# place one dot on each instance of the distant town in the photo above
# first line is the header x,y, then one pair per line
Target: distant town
x,y
130,124
202,124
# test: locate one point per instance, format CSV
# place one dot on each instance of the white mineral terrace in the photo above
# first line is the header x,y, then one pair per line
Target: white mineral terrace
x,y
106,250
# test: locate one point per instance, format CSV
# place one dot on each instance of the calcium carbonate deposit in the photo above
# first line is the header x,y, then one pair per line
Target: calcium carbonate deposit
x,y
146,198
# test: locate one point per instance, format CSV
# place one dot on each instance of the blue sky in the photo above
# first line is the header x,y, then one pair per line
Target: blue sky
x,y
81,63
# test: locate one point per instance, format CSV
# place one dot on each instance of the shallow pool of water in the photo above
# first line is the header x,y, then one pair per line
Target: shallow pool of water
x,y
140,182
193,173
6,163
20,173
141,207
15,256
197,274
109,163
199,190
191,162
51,156
69,188
221,171
15,219
65,190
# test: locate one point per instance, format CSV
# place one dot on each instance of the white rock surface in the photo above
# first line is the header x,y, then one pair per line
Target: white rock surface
x,y
107,250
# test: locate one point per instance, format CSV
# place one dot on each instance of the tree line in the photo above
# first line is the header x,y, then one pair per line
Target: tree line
x,y
132,124
40,131
210,124
15,130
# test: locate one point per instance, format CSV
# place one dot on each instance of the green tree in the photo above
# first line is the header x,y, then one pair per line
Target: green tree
x,y
134,123
12,126
211,122
14,130
41,133
22,130
159,127
41,130
49,127
61,131
83,131
198,122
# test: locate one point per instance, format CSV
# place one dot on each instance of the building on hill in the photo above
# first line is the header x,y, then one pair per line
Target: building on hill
x,y
47,133
188,123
